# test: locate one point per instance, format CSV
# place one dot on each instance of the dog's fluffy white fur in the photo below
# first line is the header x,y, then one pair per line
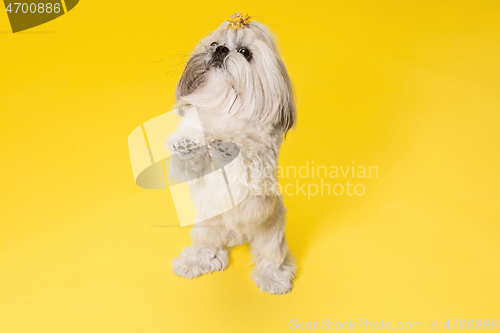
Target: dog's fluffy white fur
x,y
243,95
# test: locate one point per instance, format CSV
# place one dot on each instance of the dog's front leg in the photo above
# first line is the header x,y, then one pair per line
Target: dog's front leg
x,y
189,158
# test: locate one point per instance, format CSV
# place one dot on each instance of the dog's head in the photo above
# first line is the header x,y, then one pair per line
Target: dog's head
x,y
240,73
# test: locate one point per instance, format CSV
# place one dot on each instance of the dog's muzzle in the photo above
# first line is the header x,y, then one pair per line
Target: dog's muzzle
x,y
219,55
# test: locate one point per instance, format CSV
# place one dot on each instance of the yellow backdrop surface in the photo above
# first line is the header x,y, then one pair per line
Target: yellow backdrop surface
x,y
411,88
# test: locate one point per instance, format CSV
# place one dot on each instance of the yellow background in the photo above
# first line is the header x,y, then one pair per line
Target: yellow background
x,y
412,87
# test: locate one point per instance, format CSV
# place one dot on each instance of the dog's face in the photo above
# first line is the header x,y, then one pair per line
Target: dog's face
x,y
240,73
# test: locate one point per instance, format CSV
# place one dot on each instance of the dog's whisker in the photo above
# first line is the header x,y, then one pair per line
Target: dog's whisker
x,y
169,58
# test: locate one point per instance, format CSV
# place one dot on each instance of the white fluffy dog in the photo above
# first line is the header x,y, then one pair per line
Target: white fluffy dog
x,y
244,100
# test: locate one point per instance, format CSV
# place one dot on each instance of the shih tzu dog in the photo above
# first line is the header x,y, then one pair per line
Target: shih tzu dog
x,y
244,99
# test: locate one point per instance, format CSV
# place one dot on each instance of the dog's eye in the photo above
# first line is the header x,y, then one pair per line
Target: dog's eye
x,y
213,44
246,53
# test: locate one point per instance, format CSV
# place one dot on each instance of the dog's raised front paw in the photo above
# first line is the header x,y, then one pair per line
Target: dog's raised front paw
x,y
223,153
194,261
227,150
189,157
185,146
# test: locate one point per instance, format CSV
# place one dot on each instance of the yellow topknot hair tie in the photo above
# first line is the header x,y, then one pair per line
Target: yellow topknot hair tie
x,y
238,20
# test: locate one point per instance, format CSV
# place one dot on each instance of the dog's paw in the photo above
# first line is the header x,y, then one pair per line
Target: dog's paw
x,y
272,285
189,158
185,143
226,150
195,261
274,279
223,153
185,146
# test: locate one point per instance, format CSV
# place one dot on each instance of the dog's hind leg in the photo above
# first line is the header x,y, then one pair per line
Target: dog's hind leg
x,y
275,267
206,255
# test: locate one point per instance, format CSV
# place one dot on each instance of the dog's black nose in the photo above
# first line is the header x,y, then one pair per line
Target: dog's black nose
x,y
221,49
218,56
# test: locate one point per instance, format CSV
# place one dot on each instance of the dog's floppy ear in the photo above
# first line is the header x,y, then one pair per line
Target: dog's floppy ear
x,y
193,75
280,89
288,112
